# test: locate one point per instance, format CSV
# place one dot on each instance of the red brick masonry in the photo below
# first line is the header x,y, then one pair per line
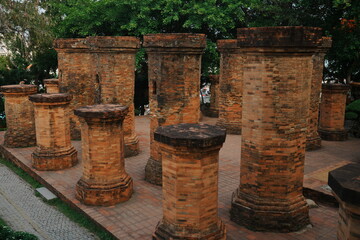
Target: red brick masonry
x,y
52,85
104,181
190,158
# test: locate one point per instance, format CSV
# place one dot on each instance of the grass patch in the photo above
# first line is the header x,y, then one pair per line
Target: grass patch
x,y
61,206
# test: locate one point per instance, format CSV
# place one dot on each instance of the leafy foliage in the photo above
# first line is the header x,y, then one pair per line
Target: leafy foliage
x,y
7,233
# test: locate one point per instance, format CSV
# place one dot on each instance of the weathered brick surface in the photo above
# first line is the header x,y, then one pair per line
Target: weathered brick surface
x,y
275,106
174,82
230,85
54,150
109,64
213,111
313,140
104,181
332,112
19,115
52,85
190,156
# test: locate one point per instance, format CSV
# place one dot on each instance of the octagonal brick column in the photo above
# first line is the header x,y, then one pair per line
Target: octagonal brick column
x,y
275,107
54,150
190,158
174,67
332,112
104,181
230,85
19,115
114,62
52,85
313,140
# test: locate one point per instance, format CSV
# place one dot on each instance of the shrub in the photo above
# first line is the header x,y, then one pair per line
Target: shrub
x,y
7,233
354,106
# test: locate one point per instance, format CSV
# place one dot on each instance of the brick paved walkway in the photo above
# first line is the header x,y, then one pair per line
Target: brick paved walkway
x,y
137,218
23,211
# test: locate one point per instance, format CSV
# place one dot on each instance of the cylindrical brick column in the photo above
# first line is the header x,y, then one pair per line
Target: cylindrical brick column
x,y
54,150
77,76
277,73
52,85
104,181
19,115
190,155
114,61
231,85
332,112
174,65
313,140
345,184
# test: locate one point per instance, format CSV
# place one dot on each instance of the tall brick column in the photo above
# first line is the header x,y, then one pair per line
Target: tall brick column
x,y
275,105
52,85
114,61
174,62
19,115
104,181
231,85
213,111
77,76
345,184
332,112
54,150
190,182
313,140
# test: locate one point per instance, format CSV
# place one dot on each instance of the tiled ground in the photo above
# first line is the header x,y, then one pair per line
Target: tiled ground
x,y
137,218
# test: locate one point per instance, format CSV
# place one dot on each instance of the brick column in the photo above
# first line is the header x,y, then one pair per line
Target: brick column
x,y
277,74
190,182
114,61
332,112
77,76
313,140
19,115
54,150
52,85
231,85
104,181
345,184
213,111
174,65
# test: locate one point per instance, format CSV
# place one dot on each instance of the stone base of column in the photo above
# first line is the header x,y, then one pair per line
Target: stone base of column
x,y
19,140
230,127
270,216
153,172
333,135
313,143
131,146
51,161
164,231
104,195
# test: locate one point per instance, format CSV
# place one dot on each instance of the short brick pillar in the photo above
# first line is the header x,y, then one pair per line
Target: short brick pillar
x,y
104,181
190,158
275,106
19,115
332,112
313,140
345,184
231,85
174,62
54,150
77,76
114,61
52,85
213,111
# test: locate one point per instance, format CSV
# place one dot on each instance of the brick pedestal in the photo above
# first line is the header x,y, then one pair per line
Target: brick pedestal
x,y
345,183
213,111
231,85
313,140
174,83
77,76
54,150
190,156
275,107
19,115
104,181
52,85
332,112
114,61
